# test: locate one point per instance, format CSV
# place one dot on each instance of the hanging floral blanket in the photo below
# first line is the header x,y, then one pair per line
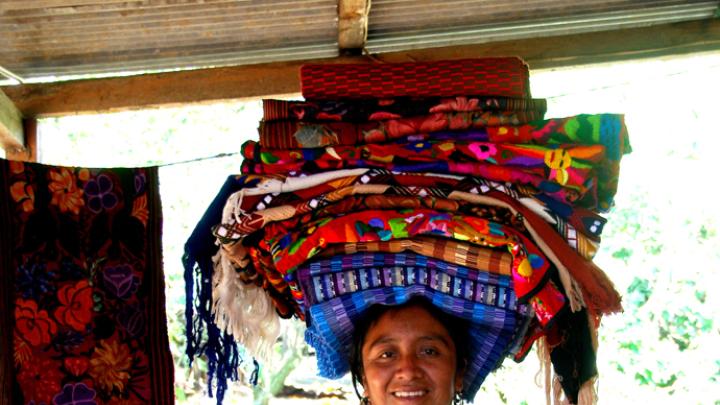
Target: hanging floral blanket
x,y
82,297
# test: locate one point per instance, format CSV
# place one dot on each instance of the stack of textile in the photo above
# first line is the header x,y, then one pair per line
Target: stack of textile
x,y
440,180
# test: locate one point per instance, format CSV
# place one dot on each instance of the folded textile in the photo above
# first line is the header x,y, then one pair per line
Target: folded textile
x,y
274,191
530,268
82,250
543,179
391,108
314,134
567,166
506,77
460,253
368,196
595,286
325,279
608,130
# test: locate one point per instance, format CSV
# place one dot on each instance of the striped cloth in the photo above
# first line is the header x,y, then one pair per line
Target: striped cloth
x,y
506,77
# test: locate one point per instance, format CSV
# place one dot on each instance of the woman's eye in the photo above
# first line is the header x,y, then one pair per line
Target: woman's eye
x,y
429,351
386,355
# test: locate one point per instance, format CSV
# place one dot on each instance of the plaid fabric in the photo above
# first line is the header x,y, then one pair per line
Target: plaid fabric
x,y
82,249
506,77
383,109
492,330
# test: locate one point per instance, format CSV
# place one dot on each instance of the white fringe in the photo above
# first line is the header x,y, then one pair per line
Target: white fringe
x,y
554,394
543,352
243,310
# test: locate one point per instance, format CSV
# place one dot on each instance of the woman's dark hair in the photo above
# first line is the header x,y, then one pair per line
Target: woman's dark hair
x,y
456,327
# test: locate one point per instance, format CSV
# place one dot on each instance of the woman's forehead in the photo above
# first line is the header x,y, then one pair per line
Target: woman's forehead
x,y
412,321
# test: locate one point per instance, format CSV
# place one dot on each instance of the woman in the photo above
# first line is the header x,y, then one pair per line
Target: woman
x,y
409,354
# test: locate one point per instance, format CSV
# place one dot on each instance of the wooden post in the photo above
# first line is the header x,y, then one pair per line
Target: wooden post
x,y
12,138
352,25
27,153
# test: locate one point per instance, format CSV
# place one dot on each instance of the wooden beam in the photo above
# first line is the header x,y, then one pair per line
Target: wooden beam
x,y
12,138
352,23
282,78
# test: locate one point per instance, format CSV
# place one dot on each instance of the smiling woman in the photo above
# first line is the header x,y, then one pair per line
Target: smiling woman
x,y
409,354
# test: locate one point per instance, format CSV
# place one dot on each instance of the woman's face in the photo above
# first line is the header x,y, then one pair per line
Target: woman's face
x,y
408,358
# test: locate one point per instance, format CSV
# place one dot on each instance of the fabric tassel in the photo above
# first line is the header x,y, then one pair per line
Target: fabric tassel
x,y
243,310
543,352
203,337
588,393
557,391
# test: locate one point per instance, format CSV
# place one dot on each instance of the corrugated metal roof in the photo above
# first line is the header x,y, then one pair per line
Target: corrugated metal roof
x,y
42,39
81,37
405,24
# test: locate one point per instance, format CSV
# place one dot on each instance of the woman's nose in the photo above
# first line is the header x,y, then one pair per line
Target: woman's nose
x,y
408,368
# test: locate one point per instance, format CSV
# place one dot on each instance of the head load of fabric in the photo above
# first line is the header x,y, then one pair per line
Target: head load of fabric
x,y
439,180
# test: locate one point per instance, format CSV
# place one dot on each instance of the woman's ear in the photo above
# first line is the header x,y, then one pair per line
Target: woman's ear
x,y
459,374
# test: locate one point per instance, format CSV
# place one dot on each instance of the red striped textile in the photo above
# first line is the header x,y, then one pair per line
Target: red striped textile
x,y
506,77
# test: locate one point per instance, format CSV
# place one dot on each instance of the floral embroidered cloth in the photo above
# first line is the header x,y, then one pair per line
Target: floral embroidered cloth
x,y
313,134
83,283
374,109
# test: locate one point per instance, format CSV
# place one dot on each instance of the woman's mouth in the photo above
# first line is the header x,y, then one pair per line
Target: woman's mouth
x,y
409,394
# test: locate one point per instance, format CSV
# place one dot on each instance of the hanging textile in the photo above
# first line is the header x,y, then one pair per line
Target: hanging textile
x,y
83,250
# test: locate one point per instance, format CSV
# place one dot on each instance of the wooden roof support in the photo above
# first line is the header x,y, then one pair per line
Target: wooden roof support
x,y
282,78
352,25
12,136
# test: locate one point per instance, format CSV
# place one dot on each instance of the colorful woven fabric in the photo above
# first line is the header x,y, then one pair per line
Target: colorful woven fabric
x,y
463,254
358,198
570,166
82,271
530,268
608,130
550,241
364,197
506,77
492,330
273,191
314,134
391,108
580,182
324,279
